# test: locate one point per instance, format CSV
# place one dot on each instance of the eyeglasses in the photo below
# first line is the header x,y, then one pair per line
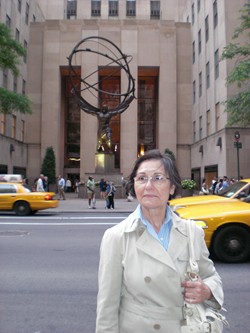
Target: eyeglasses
x,y
156,179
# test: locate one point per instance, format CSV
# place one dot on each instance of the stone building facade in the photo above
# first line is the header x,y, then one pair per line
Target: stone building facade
x,y
180,86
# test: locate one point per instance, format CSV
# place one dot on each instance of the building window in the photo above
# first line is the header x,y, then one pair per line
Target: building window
x,y
199,41
113,7
27,12
198,5
200,84
193,13
208,122
217,117
216,64
15,84
207,75
71,9
147,111
24,87
194,91
193,45
17,35
22,130
215,13
194,131
200,127
155,9
131,8
206,29
13,127
8,21
5,78
25,45
96,8
19,5
3,123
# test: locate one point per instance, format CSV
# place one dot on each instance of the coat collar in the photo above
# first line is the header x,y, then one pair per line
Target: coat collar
x,y
146,243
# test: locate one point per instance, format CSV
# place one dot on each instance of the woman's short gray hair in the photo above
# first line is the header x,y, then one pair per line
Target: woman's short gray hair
x,y
169,166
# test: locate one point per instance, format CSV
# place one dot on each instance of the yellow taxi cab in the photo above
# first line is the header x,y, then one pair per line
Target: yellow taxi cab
x,y
234,192
15,196
227,227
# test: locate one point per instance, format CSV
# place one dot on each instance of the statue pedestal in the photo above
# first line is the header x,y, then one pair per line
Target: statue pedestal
x,y
104,163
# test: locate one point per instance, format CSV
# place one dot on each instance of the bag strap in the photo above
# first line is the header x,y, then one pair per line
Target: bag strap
x,y
193,265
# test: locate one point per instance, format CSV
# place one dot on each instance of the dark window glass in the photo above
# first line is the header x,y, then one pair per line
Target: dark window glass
x,y
216,64
95,8
194,91
131,8
147,112
113,8
199,41
7,188
155,9
215,13
200,84
192,13
71,9
27,12
19,5
193,51
206,29
207,75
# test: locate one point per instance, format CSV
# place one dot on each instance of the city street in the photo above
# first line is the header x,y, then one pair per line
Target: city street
x,y
48,275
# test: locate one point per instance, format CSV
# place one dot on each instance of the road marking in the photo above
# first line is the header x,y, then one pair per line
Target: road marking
x,y
58,223
63,218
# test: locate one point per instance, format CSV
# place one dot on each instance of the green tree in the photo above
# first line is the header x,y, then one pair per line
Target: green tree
x,y
10,51
49,165
238,107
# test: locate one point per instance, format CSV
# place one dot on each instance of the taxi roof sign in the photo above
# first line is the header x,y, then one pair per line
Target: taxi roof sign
x,y
11,178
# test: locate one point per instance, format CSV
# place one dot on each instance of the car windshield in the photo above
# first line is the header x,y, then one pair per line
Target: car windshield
x,y
232,189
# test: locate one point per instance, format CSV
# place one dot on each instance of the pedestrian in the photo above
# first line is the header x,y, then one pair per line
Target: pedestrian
x,y
110,195
91,192
204,188
76,186
68,185
39,184
144,258
61,187
102,189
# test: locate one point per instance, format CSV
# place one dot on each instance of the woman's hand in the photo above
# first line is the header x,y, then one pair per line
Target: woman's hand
x,y
196,291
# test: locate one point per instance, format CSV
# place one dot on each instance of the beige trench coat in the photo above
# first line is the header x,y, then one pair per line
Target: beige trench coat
x,y
140,283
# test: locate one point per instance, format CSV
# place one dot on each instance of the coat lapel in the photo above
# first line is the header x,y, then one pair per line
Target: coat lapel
x,y
149,245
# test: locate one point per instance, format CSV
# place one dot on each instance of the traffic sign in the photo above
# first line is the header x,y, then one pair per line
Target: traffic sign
x,y
238,145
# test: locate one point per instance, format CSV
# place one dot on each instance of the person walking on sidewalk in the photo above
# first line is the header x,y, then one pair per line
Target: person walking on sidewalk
x,y
91,192
61,187
110,195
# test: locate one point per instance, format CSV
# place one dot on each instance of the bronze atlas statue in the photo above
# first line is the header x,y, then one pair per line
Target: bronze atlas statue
x,y
90,92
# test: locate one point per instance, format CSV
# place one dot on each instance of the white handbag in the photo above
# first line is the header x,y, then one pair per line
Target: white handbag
x,y
199,318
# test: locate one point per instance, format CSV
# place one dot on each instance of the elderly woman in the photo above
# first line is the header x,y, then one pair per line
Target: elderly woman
x,y
144,258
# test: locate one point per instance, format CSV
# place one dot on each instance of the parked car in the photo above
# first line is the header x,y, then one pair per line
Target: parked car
x,y
18,198
234,192
227,227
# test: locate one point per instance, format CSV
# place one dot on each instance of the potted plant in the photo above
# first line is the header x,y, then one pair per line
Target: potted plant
x,y
188,186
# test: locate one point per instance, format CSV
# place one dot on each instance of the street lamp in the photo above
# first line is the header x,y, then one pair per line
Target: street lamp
x,y
238,146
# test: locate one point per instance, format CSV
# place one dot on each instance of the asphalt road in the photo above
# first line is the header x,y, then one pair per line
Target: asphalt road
x,y
49,266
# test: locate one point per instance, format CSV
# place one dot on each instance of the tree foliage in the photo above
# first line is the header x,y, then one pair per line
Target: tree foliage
x,y
238,107
49,165
10,52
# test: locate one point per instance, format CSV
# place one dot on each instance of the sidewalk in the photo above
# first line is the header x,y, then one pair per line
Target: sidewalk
x,y
73,204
